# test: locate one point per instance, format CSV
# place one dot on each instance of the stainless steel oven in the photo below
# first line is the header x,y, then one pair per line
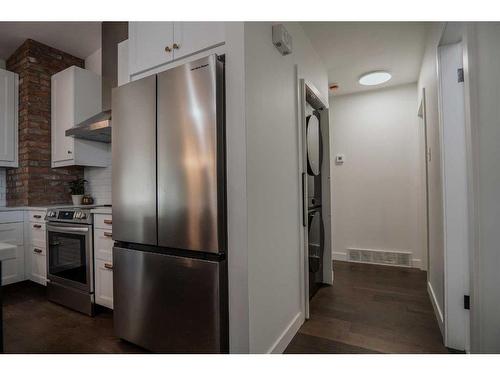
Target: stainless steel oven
x,y
70,268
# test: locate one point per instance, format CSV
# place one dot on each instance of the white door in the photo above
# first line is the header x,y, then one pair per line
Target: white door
x,y
150,45
455,194
192,37
8,118
62,94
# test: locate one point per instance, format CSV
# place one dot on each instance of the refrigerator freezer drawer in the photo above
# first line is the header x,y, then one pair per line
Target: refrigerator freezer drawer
x,y
170,304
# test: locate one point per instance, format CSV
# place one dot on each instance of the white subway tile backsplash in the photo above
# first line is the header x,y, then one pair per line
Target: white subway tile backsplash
x,y
98,184
3,187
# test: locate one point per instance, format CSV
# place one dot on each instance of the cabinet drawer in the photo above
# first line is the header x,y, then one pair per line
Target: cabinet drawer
x,y
103,221
37,232
104,283
36,216
103,244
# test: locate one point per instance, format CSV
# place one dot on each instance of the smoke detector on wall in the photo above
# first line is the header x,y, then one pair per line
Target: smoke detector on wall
x,y
282,40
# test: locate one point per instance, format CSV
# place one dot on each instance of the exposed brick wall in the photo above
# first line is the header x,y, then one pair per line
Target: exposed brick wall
x,y
35,182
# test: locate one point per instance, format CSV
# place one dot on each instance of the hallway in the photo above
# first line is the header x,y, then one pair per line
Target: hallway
x,y
371,309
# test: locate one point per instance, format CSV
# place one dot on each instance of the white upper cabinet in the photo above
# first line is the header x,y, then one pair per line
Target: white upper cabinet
x,y
192,37
9,97
153,44
150,45
76,96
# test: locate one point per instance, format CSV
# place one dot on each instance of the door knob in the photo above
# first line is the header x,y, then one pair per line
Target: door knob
x,y
176,46
168,49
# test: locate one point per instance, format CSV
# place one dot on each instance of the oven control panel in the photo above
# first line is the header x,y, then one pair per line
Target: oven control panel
x,y
71,215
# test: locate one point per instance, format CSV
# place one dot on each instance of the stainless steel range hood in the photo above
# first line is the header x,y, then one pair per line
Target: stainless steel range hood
x,y
98,127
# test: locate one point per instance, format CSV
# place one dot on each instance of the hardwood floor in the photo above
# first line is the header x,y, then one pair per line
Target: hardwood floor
x,y
371,309
32,324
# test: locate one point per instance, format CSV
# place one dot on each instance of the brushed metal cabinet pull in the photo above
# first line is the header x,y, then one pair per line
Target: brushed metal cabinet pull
x,y
37,226
108,221
37,216
108,234
108,266
38,251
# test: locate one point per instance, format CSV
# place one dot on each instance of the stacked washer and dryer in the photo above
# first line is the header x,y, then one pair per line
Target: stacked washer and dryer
x,y
314,202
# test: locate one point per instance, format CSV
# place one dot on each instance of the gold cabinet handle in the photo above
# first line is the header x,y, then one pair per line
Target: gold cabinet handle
x,y
37,226
176,46
168,49
38,251
108,221
108,234
108,266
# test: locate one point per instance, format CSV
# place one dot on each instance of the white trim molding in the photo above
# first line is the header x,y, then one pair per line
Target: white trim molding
x,y
437,309
286,337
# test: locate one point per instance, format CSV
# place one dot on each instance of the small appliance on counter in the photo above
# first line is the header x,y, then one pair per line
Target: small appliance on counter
x,y
70,265
87,200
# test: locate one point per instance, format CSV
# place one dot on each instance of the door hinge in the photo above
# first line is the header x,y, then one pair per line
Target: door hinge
x,y
460,74
467,302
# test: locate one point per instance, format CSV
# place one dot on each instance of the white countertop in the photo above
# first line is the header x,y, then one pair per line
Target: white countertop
x,y
44,208
101,210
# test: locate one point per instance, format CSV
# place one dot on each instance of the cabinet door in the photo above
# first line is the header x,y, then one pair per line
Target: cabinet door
x,y
104,283
192,37
13,268
63,106
38,264
8,118
148,42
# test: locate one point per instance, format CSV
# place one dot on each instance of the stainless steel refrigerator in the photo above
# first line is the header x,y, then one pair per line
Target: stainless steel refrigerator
x,y
169,214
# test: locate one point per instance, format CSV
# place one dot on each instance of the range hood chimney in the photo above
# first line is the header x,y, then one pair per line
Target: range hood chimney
x,y
98,127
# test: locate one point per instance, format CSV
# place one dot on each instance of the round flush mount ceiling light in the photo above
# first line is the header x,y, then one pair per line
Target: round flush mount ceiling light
x,y
374,78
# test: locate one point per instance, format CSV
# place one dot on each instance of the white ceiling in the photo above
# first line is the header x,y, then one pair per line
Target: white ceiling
x,y
350,49
79,39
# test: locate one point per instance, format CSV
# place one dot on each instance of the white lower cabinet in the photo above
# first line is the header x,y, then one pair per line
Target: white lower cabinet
x,y
104,283
103,260
11,232
36,250
38,265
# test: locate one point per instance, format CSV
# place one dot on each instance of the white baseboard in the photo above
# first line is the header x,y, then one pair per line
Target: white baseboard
x,y
437,310
282,342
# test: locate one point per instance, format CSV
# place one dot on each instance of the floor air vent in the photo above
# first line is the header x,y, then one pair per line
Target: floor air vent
x,y
391,258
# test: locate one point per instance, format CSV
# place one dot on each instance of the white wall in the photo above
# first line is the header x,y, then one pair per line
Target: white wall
x,y
2,170
99,179
273,181
485,113
93,62
428,80
378,193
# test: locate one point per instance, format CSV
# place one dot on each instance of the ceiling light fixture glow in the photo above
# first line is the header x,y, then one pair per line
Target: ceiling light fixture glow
x,y
374,78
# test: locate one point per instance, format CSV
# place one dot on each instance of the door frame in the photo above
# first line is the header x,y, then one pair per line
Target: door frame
x,y
422,114
307,92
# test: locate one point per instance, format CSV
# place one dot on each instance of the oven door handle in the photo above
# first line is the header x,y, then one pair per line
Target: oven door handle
x,y
68,229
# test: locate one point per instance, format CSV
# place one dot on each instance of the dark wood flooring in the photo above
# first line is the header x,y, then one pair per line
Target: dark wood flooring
x,y
32,324
371,309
